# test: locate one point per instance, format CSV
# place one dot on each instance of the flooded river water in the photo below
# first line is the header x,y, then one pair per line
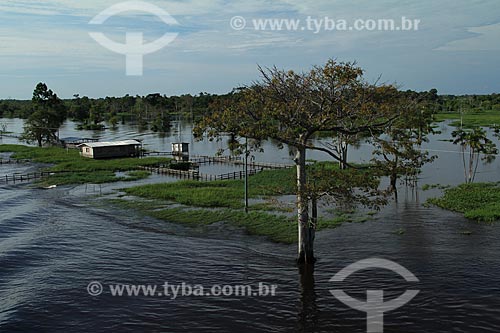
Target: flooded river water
x,y
54,243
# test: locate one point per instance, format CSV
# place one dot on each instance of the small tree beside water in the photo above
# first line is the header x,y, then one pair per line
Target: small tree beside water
x,y
475,147
49,113
3,129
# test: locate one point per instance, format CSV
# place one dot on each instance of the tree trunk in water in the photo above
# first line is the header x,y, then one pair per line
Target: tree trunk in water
x,y
344,156
314,221
342,148
305,228
308,314
393,187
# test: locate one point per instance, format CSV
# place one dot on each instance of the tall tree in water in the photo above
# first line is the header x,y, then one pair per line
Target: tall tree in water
x,y
292,107
398,150
48,115
479,148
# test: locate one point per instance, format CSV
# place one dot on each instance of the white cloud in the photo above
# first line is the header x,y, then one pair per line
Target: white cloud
x,y
51,36
93,7
486,39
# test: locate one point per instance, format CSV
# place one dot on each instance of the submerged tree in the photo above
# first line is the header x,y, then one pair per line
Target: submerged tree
x,y
3,129
398,151
79,109
48,115
340,146
479,148
343,187
292,107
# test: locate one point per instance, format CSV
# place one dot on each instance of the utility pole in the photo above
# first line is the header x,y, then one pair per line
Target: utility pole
x,y
246,175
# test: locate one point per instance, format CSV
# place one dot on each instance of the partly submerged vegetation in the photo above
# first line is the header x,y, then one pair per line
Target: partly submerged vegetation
x,y
277,227
81,170
470,119
226,194
190,203
480,202
194,203
366,111
468,110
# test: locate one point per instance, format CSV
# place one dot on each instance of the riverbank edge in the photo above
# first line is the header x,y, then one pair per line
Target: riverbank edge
x,y
276,227
69,168
267,219
478,201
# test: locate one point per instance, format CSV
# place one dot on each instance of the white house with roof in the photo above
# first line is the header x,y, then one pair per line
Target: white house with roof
x,y
116,149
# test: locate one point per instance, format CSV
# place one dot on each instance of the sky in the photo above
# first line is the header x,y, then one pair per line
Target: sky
x,y
456,48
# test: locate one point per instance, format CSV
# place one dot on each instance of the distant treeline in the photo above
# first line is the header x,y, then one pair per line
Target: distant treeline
x,y
467,103
156,110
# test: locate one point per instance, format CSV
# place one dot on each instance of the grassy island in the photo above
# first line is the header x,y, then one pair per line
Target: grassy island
x,y
81,170
471,118
480,202
196,203
191,203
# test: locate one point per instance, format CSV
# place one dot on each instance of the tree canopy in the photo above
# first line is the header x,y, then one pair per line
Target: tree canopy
x,y
48,115
292,107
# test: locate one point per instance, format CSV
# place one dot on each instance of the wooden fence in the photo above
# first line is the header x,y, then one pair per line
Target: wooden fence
x,y
199,159
156,153
190,174
13,161
236,160
196,175
227,176
255,167
264,165
27,177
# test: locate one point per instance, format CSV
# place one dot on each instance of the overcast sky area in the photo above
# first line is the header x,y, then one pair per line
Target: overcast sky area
x,y
456,49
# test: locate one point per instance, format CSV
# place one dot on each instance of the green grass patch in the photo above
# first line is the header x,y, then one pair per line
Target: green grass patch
x,y
192,193
274,206
277,228
333,222
480,202
226,194
222,201
137,175
83,170
471,118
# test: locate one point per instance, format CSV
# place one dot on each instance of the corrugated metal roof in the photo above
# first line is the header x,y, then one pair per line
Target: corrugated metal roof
x,y
110,144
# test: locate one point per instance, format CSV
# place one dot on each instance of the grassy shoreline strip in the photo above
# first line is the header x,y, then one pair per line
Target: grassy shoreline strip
x,y
220,194
203,203
471,119
280,229
480,201
277,228
82,170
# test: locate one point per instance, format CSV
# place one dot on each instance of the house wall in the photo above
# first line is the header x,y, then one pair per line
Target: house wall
x,y
115,151
111,151
180,148
87,152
